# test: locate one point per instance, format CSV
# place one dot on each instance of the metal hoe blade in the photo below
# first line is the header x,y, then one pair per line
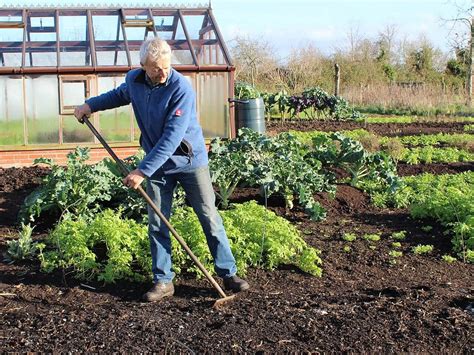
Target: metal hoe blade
x,y
224,298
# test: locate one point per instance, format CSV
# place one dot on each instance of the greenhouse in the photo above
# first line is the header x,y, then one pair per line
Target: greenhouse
x,y
52,59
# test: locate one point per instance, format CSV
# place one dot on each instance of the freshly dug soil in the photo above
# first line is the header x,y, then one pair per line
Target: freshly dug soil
x,y
381,129
15,184
365,301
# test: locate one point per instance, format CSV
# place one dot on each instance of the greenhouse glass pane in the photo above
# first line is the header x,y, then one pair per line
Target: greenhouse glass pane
x,y
74,48
193,24
75,59
181,56
42,109
164,26
11,110
208,51
115,124
74,93
135,57
136,131
11,34
41,59
72,28
12,59
15,37
118,57
74,132
203,35
213,107
109,43
135,33
105,27
41,47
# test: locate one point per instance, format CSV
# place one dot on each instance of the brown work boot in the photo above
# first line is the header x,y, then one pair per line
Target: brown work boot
x,y
159,291
235,284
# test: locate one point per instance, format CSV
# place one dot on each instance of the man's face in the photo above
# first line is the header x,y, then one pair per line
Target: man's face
x,y
158,71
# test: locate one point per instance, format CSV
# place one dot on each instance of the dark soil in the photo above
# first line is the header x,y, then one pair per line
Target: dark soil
x,y
15,184
434,168
364,302
381,129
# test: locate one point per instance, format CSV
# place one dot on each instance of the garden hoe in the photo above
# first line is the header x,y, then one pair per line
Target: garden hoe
x,y
223,297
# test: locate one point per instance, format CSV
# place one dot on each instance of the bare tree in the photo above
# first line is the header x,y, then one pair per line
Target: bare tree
x,y
465,16
253,59
354,38
305,68
387,41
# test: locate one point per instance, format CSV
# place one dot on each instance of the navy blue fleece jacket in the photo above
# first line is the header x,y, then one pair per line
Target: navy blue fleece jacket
x,y
166,115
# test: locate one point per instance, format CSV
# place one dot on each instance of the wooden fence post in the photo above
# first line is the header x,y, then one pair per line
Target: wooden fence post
x,y
337,78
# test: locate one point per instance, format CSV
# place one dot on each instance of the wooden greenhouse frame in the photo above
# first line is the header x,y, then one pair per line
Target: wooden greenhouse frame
x,y
54,58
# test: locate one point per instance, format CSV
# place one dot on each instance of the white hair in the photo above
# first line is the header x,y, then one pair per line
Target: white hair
x,y
154,49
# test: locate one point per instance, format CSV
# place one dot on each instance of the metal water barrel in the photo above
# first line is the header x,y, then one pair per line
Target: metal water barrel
x,y
250,113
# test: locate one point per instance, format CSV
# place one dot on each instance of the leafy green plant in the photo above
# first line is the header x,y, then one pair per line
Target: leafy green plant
x,y
258,238
22,248
401,235
111,248
278,165
279,101
317,103
245,91
349,237
395,254
446,198
107,248
430,154
347,249
340,151
469,256
396,245
422,249
371,237
449,259
426,228
79,188
453,207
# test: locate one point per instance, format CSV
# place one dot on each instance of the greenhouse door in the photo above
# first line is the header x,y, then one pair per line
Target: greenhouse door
x,y
73,91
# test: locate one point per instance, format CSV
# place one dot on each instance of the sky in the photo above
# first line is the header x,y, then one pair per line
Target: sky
x,y
326,24
289,24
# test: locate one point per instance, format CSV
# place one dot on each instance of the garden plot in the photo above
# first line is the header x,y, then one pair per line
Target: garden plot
x,y
377,291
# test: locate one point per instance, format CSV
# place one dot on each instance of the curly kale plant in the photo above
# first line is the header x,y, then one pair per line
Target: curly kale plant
x,y
78,188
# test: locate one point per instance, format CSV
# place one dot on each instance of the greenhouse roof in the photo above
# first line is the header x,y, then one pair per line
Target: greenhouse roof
x,y
94,39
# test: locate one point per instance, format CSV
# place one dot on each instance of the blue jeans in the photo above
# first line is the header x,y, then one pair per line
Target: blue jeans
x,y
200,194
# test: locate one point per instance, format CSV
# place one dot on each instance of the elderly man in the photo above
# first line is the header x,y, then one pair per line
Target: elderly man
x,y
165,108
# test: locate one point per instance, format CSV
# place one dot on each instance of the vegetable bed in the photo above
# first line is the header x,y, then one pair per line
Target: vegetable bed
x,y
375,293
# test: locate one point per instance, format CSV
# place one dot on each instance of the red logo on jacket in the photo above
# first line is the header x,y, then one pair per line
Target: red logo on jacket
x,y
178,112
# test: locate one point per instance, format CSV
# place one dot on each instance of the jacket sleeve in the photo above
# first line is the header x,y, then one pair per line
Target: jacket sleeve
x,y
111,99
178,117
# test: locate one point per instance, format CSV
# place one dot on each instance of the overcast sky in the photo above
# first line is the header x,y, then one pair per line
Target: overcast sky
x,y
325,24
